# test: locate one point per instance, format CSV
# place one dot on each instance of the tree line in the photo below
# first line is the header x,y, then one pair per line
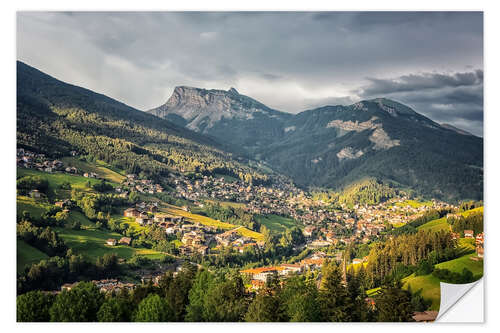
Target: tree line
x,y
198,295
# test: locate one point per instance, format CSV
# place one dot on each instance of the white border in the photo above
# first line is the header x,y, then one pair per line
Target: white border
x,y
492,109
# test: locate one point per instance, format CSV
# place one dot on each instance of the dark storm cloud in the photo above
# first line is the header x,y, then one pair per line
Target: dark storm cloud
x,y
290,61
451,98
413,82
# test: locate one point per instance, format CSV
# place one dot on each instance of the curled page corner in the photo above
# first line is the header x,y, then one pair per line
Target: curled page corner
x,y
452,296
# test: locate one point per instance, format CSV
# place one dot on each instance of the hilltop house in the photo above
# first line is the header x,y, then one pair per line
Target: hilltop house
x,y
143,220
469,233
125,240
111,242
131,212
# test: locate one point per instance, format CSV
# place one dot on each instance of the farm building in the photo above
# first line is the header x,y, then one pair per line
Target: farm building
x,y
111,242
125,240
131,212
469,233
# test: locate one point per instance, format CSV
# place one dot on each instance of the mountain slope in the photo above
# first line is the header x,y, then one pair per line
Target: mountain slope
x,y
54,118
226,115
334,146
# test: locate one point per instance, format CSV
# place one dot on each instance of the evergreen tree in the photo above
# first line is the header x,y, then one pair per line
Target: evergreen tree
x,y
114,309
154,309
333,295
197,294
34,306
264,308
79,304
393,304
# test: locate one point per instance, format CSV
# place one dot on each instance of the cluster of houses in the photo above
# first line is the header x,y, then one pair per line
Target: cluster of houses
x,y
133,183
396,211
195,237
123,241
261,275
105,286
31,160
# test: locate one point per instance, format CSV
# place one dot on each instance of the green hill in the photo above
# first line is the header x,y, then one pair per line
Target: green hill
x,y
55,118
442,224
92,244
27,255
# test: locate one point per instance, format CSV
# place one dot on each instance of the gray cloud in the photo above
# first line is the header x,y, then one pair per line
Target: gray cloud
x,y
422,81
455,98
290,61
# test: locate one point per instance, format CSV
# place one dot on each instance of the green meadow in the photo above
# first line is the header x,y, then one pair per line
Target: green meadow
x,y
442,224
457,265
99,167
435,225
57,179
92,244
414,203
430,287
277,223
27,255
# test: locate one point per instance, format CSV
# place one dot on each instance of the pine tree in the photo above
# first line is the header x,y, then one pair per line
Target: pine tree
x,y
333,295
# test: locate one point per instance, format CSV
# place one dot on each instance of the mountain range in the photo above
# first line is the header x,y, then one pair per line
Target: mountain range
x,y
224,132
334,146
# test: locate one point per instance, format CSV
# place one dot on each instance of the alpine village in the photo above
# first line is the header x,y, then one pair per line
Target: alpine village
x,y
214,207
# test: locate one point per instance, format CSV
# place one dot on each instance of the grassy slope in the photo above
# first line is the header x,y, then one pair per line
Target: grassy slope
x,y
457,265
91,243
435,225
27,255
276,222
34,207
414,203
211,222
441,224
430,284
57,179
101,168
430,287
88,241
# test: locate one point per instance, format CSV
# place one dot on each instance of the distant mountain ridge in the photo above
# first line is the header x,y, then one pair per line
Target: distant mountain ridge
x,y
333,146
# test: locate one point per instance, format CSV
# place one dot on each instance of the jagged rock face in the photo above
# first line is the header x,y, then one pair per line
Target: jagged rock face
x,y
203,109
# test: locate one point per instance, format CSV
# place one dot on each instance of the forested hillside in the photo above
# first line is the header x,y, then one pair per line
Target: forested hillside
x,y
55,118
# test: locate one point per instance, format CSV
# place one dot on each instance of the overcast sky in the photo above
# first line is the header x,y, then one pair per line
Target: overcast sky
x,y
430,61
